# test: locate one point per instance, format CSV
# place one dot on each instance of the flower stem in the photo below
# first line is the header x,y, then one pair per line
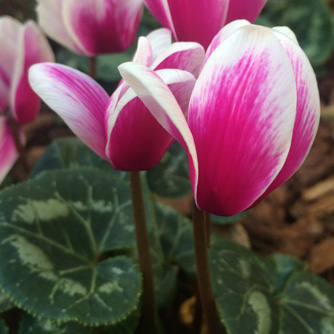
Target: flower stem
x,y
15,127
145,261
208,228
203,272
92,67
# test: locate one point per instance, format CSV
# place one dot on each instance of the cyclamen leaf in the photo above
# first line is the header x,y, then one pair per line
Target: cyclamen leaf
x,y
57,234
170,178
32,325
71,153
3,327
254,298
176,237
5,303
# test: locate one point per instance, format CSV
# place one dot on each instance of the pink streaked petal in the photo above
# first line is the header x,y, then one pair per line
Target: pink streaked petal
x,y
244,9
8,152
75,97
160,101
198,20
160,39
241,125
9,39
308,112
160,10
224,33
33,48
185,56
137,141
102,26
143,53
50,19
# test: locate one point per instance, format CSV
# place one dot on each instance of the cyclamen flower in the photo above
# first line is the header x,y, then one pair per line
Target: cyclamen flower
x,y
120,128
253,115
200,20
21,47
91,27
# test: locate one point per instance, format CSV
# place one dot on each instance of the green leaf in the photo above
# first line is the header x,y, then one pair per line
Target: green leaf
x,y
71,153
170,178
176,237
31,325
283,266
3,328
311,22
248,299
56,231
307,305
5,303
228,220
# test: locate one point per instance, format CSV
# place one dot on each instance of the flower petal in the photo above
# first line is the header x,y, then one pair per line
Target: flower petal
x,y
75,97
160,40
136,140
186,56
102,26
308,111
50,18
33,48
9,39
160,101
198,20
8,152
244,9
160,10
241,125
224,33
143,53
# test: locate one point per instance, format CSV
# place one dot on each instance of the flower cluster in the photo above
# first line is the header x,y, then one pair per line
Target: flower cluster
x,y
246,110
21,47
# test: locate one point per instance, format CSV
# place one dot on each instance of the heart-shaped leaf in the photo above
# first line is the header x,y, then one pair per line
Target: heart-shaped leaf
x,y
254,297
3,327
71,153
170,178
32,325
5,303
176,237
58,232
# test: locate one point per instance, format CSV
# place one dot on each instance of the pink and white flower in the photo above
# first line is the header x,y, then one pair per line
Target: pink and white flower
x,y
199,20
21,47
91,27
252,118
120,128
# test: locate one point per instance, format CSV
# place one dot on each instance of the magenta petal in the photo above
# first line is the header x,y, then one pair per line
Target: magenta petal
x,y
160,10
33,48
160,101
241,125
198,20
8,152
75,97
9,39
307,116
102,26
244,9
137,141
